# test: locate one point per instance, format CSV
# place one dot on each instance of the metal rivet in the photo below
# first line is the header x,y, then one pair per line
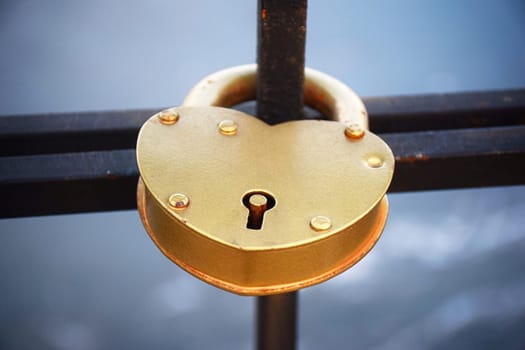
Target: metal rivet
x,y
168,117
179,201
320,223
374,162
228,127
354,132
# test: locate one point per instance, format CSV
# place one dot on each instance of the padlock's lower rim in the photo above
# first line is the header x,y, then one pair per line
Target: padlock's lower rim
x,y
377,217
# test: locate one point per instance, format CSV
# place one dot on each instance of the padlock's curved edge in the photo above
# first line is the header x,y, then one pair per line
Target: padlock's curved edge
x,y
297,275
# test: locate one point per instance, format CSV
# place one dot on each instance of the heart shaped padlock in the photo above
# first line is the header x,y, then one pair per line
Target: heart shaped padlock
x,y
257,209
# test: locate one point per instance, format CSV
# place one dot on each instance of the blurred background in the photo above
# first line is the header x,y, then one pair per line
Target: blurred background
x,y
447,273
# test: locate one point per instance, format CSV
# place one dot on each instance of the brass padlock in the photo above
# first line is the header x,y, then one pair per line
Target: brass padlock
x,y
257,209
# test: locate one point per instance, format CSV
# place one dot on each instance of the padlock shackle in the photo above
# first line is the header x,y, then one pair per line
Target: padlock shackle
x,y
322,92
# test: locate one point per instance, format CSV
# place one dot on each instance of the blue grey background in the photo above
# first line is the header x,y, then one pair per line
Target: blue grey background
x,y
447,273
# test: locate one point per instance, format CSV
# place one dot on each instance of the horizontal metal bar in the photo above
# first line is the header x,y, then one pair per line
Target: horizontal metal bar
x,y
432,160
70,132
447,111
95,131
106,180
68,183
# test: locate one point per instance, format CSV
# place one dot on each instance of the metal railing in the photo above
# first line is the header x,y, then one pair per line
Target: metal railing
x,y
85,162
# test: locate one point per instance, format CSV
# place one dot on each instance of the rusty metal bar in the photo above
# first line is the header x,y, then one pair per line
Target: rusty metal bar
x,y
277,321
281,39
112,130
47,184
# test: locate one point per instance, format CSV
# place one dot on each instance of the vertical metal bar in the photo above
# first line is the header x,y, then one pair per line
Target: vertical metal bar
x,y
281,31
281,37
277,321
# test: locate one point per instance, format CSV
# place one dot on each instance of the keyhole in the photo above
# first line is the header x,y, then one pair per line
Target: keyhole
x,y
258,203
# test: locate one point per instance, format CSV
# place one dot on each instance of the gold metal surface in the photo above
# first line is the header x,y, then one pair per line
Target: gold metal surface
x,y
258,201
168,116
354,132
320,223
309,167
227,127
178,201
374,161
273,209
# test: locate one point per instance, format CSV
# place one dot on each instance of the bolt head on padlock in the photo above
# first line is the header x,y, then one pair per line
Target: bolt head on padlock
x,y
258,209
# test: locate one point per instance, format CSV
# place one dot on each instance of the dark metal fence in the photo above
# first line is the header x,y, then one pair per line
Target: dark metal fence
x,y
85,162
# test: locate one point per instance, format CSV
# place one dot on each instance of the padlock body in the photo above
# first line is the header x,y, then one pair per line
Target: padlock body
x,y
309,167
